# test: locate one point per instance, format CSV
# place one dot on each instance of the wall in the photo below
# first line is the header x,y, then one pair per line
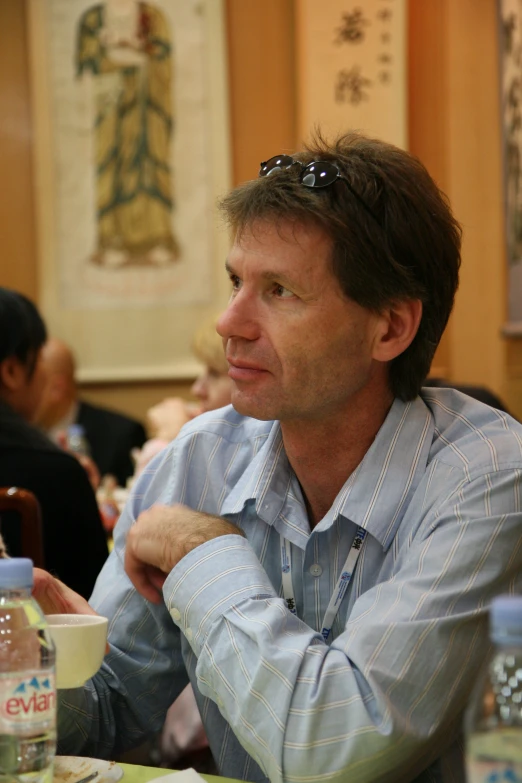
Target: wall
x,y
17,226
453,127
455,130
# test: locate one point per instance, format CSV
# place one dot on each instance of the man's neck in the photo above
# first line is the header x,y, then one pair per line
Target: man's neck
x,y
324,454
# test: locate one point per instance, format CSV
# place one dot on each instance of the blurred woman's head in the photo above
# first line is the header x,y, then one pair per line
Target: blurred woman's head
x,y
213,387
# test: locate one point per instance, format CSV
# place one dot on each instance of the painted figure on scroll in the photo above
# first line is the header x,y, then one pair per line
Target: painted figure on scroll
x,y
125,46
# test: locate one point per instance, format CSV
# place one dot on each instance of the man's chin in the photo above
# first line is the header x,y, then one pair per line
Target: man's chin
x,y
251,408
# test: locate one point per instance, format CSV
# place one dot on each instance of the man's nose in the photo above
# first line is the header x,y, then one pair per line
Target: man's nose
x,y
239,320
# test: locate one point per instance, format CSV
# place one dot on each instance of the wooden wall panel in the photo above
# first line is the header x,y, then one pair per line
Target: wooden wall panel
x,y
475,188
17,224
427,87
455,130
262,82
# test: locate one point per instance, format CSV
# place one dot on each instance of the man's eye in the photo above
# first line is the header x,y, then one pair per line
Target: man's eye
x,y
282,292
234,279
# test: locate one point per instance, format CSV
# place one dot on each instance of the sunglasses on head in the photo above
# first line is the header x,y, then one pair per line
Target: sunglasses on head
x,y
317,174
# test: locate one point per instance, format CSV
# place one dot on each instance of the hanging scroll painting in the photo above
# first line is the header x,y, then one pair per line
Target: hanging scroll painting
x,y
131,152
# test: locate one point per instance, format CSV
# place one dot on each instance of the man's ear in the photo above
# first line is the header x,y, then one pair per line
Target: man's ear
x,y
398,326
13,374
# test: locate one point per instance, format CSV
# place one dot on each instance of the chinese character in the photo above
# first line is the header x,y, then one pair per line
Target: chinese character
x,y
384,77
385,14
385,58
352,26
508,28
351,86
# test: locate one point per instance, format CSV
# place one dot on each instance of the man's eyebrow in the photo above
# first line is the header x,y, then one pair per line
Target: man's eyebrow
x,y
268,275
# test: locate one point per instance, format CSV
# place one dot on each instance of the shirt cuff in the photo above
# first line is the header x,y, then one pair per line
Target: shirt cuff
x,y
211,579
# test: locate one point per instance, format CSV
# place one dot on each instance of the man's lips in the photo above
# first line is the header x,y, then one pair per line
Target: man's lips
x,y
244,371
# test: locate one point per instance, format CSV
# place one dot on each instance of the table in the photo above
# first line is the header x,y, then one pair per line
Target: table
x,y
135,773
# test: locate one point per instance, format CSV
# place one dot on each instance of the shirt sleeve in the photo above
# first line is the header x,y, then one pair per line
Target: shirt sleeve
x,y
385,699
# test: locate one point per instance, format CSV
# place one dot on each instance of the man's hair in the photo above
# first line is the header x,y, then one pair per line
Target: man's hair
x,y
396,240
22,330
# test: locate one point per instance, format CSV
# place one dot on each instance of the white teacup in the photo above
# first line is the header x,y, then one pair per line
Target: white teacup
x,y
80,641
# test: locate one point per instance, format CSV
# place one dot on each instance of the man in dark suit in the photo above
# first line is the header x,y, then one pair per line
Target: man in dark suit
x,y
111,436
75,545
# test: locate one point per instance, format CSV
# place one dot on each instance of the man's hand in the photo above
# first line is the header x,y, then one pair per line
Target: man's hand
x,y
161,537
56,598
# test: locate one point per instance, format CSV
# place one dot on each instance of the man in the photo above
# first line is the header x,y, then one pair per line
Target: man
x,y
111,436
321,555
75,546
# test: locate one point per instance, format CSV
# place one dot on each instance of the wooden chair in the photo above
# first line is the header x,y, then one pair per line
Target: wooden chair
x,y
20,507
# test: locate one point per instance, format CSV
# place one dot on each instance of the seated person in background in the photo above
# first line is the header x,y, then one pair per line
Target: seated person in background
x,y
111,436
212,389
75,545
319,557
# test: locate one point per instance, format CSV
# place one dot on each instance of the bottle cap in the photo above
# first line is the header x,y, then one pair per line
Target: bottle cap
x,y
505,619
16,572
76,429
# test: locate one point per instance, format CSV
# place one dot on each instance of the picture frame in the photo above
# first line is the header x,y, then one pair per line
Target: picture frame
x,y
131,153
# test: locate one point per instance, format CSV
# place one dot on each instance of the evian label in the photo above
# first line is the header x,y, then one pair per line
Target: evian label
x,y
27,699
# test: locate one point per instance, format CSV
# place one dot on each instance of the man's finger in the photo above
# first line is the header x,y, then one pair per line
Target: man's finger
x,y
55,597
138,573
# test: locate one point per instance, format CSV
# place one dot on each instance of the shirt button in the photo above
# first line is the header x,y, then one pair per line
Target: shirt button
x,y
316,569
189,634
175,614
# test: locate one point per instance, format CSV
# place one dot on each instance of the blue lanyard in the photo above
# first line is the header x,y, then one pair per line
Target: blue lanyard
x,y
340,588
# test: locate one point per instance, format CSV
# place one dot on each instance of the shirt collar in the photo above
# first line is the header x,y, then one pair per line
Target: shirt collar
x,y
375,496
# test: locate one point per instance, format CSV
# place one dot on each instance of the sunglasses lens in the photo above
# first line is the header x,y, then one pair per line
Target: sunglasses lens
x,y
276,163
319,174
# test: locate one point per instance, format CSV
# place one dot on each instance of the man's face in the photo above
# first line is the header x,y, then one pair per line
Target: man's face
x,y
298,349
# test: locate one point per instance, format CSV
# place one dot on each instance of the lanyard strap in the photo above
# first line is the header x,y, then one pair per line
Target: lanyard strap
x,y
340,588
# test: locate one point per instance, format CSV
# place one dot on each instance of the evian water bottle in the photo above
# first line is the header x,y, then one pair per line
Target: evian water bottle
x,y
493,721
27,687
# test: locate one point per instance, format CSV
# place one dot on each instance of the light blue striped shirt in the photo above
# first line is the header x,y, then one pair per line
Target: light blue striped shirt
x,y
439,494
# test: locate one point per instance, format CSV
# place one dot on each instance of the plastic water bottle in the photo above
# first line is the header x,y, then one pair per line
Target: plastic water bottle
x,y
76,440
493,721
27,684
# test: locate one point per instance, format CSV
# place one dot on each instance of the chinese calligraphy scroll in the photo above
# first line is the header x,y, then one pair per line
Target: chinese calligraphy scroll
x,y
352,67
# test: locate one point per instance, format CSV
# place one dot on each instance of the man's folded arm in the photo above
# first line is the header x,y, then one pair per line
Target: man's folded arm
x,y
387,695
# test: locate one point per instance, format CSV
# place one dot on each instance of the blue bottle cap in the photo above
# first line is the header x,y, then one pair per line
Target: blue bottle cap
x,y
16,572
76,429
505,619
